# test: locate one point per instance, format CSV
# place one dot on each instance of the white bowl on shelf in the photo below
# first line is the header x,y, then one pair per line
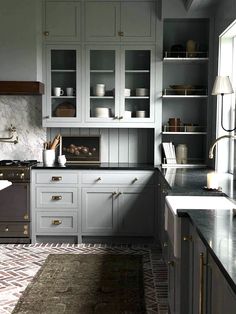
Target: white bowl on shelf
x,y
141,92
100,112
140,114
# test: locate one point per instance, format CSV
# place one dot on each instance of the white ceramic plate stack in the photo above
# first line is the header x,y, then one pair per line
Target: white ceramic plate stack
x,y
141,92
100,112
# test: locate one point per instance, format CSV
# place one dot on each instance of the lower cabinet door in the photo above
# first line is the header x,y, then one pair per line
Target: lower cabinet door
x,y
99,211
136,211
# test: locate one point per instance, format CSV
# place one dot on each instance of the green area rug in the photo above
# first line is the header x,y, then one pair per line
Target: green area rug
x,y
84,284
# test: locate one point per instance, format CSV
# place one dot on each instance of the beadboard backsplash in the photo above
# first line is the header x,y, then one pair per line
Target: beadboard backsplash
x,y
117,145
24,113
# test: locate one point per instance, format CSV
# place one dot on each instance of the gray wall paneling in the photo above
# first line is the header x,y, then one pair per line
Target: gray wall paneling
x,y
117,145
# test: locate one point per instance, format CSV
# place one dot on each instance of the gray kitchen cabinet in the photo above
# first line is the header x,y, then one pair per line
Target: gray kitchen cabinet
x,y
136,213
197,273
187,273
76,203
62,21
221,297
126,21
99,211
162,192
62,69
120,69
55,205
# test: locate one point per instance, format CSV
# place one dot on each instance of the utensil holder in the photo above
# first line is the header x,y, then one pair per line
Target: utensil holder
x,y
48,157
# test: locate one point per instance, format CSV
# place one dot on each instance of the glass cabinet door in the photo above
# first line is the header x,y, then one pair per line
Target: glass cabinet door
x,y
101,85
63,85
136,86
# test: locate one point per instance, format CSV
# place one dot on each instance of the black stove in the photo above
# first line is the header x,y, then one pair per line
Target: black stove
x,y
16,170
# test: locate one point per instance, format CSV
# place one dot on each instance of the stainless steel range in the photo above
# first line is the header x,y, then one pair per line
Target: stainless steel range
x,y
15,201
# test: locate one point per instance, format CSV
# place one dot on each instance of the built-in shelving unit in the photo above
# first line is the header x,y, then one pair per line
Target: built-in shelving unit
x,y
185,90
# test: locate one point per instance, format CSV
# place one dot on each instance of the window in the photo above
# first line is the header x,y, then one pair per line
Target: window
x,y
227,66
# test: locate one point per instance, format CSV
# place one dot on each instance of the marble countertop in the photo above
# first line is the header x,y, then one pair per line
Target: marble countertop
x,y
4,184
217,229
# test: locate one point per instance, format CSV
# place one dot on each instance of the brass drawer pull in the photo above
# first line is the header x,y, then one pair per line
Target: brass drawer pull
x,y
188,238
56,222
201,279
56,178
56,197
171,263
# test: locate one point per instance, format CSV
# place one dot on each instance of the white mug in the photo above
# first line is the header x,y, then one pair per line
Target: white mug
x,y
99,90
58,91
62,160
70,91
49,157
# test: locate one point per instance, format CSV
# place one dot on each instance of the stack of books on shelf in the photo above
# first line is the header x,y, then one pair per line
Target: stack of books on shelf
x,y
169,151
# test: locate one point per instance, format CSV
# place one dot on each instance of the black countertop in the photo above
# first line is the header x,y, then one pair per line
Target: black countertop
x,y
217,229
185,181
101,166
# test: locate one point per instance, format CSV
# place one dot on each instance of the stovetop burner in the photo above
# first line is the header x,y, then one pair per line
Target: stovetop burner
x,y
17,163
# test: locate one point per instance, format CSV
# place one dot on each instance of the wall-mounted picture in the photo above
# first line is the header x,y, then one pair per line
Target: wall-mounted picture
x,y
81,149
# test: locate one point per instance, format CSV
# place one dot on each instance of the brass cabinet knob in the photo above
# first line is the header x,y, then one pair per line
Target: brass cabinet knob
x,y
6,229
46,33
26,216
46,117
1,175
187,238
171,263
165,244
56,222
56,178
121,33
56,197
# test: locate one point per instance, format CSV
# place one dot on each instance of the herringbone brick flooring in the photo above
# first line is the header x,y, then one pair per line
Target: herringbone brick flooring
x,y
19,264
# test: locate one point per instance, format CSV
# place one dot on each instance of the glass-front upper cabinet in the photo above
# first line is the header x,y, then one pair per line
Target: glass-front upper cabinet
x,y
136,103
63,87
119,85
102,79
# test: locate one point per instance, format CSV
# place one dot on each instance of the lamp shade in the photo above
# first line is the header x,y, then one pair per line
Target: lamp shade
x,y
222,85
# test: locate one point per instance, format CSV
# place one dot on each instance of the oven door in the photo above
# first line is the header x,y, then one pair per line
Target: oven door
x,y
14,203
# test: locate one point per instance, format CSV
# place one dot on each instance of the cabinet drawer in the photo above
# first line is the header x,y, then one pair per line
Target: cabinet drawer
x,y
11,229
117,178
60,223
56,197
56,177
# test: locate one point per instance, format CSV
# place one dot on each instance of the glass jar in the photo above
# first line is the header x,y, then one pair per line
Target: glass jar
x,y
181,153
